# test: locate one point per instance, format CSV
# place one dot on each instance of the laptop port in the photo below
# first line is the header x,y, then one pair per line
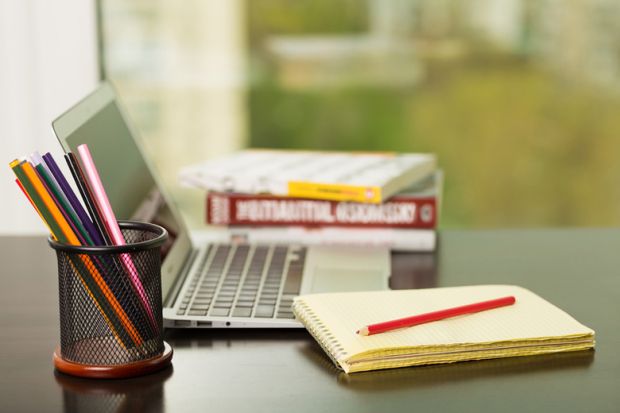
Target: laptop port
x,y
183,323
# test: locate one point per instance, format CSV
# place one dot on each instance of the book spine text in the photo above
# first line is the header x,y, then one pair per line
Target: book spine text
x,y
399,212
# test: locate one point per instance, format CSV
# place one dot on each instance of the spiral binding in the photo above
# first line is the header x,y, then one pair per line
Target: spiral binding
x,y
320,332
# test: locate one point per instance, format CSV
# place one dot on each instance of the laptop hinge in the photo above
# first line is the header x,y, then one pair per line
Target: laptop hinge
x,y
178,283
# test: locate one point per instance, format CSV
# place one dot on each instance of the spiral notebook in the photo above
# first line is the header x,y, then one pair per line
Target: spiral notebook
x,y
531,326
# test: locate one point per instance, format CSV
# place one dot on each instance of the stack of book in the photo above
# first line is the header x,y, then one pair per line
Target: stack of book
x,y
312,197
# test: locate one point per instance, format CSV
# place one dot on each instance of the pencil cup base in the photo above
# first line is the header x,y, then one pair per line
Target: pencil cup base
x,y
123,371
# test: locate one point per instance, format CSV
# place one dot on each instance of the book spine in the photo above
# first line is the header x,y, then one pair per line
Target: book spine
x,y
401,211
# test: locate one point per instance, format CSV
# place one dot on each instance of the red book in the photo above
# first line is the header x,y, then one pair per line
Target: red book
x,y
414,208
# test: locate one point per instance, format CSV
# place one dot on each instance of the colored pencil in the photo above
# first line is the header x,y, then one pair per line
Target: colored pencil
x,y
37,161
65,208
62,231
73,200
76,224
57,233
435,316
109,220
24,172
102,238
87,196
16,166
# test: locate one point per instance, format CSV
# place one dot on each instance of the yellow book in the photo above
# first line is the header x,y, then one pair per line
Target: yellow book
x,y
337,176
531,326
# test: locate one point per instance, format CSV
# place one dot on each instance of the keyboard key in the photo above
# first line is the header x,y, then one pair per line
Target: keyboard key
x,y
247,304
242,312
264,311
285,314
249,288
285,306
219,312
197,312
231,281
203,296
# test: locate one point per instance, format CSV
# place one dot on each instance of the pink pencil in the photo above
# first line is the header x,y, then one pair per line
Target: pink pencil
x,y
109,220
435,316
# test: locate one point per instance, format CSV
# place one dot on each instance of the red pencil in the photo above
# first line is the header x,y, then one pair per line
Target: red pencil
x,y
434,316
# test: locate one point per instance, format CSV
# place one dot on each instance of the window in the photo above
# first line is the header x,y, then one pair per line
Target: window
x,y
519,98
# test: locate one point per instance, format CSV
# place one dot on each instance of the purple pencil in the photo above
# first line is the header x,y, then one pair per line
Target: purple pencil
x,y
75,203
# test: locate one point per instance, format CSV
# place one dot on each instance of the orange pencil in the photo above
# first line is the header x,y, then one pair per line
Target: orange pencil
x,y
26,185
70,237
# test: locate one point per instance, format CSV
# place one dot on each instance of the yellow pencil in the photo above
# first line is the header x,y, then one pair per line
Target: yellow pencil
x,y
26,185
70,237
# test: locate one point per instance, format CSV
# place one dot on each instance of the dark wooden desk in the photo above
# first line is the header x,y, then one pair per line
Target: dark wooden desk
x,y
270,371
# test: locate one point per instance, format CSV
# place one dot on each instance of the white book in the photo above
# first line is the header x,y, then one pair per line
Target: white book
x,y
338,176
396,239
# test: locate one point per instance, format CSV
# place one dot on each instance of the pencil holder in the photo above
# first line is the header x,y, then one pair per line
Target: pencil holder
x,y
110,306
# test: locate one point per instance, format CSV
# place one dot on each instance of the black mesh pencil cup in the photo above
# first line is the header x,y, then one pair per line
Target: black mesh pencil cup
x,y
111,306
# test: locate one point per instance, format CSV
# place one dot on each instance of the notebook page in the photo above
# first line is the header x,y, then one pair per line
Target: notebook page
x,y
530,317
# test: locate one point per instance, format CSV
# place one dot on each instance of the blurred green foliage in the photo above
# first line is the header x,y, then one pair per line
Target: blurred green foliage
x,y
520,100
519,146
300,17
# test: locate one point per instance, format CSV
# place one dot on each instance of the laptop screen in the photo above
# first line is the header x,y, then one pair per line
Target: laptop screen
x,y
130,184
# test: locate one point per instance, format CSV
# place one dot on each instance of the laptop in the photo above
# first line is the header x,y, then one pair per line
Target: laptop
x,y
208,279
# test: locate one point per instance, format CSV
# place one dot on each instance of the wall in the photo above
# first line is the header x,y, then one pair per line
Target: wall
x,y
49,62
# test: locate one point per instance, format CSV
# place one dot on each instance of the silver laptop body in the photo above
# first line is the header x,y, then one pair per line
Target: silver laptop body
x,y
207,279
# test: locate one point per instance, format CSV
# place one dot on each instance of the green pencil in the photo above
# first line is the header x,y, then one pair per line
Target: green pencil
x,y
90,285
66,208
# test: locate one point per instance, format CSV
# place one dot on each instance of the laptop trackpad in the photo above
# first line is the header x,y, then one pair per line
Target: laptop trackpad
x,y
341,279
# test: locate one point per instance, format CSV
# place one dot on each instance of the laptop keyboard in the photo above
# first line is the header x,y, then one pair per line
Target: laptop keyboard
x,y
245,281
